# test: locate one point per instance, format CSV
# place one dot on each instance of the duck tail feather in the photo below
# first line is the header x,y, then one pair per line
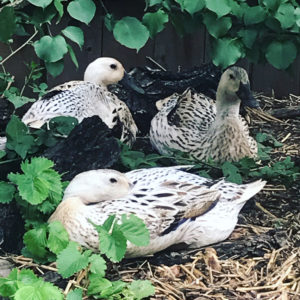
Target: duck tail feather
x,y
251,189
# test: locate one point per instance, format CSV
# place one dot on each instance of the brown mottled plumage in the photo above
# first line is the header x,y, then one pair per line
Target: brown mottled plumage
x,y
195,124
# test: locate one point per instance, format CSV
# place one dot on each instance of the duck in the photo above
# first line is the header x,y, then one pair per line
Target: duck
x,y
82,99
176,206
206,129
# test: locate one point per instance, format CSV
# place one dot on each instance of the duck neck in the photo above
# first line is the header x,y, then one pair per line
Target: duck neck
x,y
227,105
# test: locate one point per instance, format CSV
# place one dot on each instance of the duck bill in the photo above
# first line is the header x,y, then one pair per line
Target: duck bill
x,y
129,82
246,96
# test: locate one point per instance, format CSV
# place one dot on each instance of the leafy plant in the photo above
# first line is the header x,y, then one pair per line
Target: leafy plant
x,y
23,142
38,191
283,171
266,32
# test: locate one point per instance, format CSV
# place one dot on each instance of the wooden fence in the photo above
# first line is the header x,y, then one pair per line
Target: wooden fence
x,y
168,49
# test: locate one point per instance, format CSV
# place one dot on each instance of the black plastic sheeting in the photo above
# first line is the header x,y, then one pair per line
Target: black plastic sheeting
x,y
89,146
159,84
11,228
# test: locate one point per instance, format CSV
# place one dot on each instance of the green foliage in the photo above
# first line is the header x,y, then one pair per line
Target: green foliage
x,y
38,182
71,260
75,34
131,33
155,21
113,237
18,137
22,142
24,284
51,49
7,192
281,53
7,23
82,10
75,295
13,96
266,32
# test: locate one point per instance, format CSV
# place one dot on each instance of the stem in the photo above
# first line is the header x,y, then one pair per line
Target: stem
x,y
104,7
26,81
18,49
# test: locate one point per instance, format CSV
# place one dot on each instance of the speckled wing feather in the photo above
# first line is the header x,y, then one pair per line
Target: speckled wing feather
x,y
193,111
81,99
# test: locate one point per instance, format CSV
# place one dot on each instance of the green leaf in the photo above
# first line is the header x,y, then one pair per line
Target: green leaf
x,y
109,222
40,290
51,49
9,285
82,10
36,242
216,27
231,172
297,16
151,3
15,99
70,260
2,153
221,8
40,3
97,284
7,192
43,15
114,290
285,15
191,6
59,7
248,36
281,54
75,295
38,180
55,68
73,56
254,15
131,33
109,21
98,265
227,51
58,237
141,289
272,4
135,230
112,245
155,21
75,34
18,138
63,125
7,23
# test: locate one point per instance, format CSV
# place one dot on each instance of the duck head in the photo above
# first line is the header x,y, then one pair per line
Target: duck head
x,y
234,89
98,185
107,70
104,71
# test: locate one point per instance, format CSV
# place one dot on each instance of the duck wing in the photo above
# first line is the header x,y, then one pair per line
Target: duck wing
x,y
193,110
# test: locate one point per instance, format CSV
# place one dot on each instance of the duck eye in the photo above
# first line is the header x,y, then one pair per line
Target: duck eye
x,y
113,180
113,66
231,76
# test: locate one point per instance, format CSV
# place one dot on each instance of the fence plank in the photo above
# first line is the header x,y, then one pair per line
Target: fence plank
x,y
266,78
172,51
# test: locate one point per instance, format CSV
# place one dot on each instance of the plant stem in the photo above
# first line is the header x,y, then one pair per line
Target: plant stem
x,y
104,7
18,49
